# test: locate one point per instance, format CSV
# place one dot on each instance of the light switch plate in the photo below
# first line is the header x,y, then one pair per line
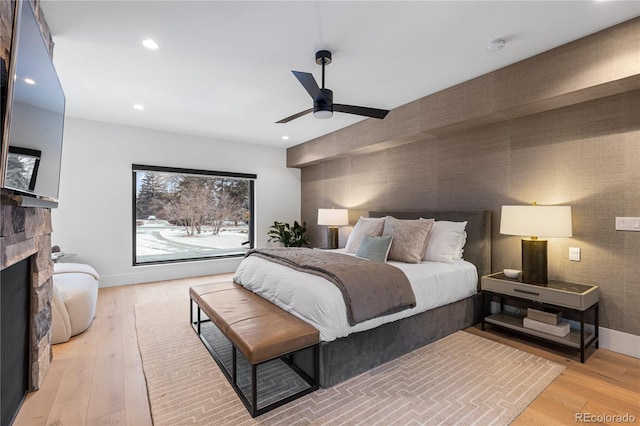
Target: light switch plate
x,y
574,254
628,224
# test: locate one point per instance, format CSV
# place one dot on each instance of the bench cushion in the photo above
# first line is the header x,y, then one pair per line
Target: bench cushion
x,y
257,328
196,291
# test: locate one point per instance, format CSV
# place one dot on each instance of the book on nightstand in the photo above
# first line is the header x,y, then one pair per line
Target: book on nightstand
x,y
554,318
559,330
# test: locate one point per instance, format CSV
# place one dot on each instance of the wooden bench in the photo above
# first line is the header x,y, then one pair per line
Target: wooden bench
x,y
260,331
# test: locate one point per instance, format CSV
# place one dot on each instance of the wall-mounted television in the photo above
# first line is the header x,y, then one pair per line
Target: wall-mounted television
x,y
33,117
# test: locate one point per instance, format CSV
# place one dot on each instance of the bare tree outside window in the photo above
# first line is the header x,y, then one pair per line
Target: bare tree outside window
x,y
184,214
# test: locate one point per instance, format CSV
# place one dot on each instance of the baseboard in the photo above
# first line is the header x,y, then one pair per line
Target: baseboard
x,y
168,271
618,341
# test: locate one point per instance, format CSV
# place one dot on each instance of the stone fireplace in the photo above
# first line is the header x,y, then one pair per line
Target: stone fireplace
x,y
25,232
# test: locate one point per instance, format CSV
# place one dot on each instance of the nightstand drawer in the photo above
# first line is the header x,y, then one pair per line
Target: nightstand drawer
x,y
569,295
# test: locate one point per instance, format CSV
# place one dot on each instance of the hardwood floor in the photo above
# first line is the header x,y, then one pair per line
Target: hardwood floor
x,y
608,383
96,378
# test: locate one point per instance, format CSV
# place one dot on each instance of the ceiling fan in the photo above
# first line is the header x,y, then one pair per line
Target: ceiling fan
x,y
323,106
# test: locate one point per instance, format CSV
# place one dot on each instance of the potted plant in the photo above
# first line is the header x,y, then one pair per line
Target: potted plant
x,y
289,236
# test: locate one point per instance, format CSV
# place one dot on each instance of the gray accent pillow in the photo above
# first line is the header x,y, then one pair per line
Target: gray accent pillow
x,y
365,226
409,238
374,248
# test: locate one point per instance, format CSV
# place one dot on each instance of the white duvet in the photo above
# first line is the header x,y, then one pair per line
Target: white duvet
x,y
320,303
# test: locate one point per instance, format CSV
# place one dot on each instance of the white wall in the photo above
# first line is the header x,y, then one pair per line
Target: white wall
x,y
94,218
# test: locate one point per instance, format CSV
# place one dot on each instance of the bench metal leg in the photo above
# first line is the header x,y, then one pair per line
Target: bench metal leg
x,y
234,366
254,390
316,366
194,324
199,320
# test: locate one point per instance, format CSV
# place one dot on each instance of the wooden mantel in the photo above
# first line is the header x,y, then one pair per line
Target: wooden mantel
x,y
602,64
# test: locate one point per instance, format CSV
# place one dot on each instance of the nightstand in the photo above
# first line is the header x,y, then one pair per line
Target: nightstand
x,y
577,300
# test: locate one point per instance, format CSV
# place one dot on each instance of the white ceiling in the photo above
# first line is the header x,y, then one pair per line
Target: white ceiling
x,y
223,67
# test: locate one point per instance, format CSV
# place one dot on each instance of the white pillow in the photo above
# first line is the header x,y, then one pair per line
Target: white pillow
x,y
445,242
366,226
457,254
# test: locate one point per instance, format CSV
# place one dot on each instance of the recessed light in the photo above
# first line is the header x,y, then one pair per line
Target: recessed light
x,y
29,81
150,44
496,45
139,107
285,138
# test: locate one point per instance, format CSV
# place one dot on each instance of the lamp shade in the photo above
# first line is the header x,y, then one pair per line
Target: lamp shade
x,y
536,221
333,217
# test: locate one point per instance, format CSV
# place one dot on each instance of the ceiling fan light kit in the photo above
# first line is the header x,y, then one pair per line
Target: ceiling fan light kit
x,y
322,114
323,106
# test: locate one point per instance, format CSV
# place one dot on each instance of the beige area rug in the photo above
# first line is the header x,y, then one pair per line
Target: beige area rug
x,y
460,379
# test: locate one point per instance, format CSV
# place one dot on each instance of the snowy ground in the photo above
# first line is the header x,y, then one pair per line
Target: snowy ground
x,y
161,241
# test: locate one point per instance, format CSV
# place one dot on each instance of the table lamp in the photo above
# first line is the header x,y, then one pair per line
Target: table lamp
x,y
333,218
535,221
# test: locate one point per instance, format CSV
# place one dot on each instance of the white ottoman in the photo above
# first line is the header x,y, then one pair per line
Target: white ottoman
x,y
75,293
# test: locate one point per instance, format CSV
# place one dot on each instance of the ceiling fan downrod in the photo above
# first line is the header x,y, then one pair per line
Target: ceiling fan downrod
x,y
323,57
323,102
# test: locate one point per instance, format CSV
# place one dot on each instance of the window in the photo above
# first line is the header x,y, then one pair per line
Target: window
x,y
186,214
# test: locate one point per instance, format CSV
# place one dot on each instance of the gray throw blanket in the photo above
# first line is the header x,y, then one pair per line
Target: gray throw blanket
x,y
370,289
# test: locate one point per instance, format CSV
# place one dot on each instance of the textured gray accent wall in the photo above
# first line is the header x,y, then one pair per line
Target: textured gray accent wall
x,y
586,156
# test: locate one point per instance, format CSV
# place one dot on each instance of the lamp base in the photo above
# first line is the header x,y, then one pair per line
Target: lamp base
x,y
332,237
534,261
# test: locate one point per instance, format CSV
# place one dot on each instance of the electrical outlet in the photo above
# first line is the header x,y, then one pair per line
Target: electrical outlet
x,y
574,254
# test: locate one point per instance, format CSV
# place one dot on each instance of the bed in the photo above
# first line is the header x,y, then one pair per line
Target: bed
x,y
348,349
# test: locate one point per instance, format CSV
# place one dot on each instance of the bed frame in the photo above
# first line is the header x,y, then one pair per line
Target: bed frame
x,y
349,356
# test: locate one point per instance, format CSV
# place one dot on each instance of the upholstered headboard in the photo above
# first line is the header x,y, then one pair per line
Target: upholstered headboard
x,y
477,250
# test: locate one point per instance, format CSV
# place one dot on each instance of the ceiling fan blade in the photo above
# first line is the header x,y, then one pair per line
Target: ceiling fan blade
x,y
294,116
358,110
308,82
